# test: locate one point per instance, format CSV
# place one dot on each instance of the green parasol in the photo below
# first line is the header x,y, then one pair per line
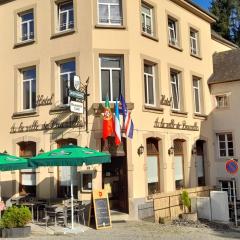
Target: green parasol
x,y
70,155
10,163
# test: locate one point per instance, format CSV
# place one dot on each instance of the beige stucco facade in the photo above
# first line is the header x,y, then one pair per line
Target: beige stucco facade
x,y
85,43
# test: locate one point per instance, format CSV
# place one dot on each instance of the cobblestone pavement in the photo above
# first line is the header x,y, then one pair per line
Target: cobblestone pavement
x,y
145,230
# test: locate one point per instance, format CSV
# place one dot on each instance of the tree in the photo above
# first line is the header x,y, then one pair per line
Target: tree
x,y
228,22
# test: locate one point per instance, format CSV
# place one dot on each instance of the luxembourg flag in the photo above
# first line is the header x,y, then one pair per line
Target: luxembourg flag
x,y
117,125
127,121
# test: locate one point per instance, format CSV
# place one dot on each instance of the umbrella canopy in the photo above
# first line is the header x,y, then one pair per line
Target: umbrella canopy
x,y
70,155
10,163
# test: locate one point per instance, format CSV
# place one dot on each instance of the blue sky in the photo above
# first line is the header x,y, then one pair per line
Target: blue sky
x,y
203,3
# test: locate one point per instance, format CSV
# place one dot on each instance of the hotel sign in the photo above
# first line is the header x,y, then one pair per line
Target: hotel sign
x,y
71,122
175,125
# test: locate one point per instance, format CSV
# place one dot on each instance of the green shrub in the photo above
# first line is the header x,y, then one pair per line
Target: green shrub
x,y
186,200
16,217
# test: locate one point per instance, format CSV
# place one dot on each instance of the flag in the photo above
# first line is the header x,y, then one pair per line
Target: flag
x,y
127,121
107,121
117,125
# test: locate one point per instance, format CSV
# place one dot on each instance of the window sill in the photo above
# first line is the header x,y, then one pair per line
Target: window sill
x,y
154,38
222,108
24,43
224,159
98,107
200,116
175,47
59,109
119,27
147,108
196,56
178,113
62,34
25,114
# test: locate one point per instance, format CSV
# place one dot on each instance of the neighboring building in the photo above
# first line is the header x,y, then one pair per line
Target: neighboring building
x,y
225,87
158,54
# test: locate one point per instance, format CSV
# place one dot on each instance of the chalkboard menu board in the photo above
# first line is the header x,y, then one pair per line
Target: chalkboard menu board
x,y
101,209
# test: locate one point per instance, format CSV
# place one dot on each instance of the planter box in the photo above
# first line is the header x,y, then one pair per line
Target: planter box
x,y
15,232
190,217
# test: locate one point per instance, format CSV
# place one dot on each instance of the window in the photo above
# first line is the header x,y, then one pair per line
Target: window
x,y
200,162
112,82
149,84
225,145
230,187
65,16
172,32
175,90
194,43
86,181
153,179
147,19
179,163
26,26
197,95
110,12
67,72
27,183
28,88
222,101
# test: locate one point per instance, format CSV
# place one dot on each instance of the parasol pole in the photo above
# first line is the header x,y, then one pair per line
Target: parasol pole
x,y
72,213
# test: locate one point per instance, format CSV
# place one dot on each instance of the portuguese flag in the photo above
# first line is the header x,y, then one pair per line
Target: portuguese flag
x,y
108,127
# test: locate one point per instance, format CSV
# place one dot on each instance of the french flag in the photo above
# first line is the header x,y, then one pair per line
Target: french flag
x,y
127,121
117,125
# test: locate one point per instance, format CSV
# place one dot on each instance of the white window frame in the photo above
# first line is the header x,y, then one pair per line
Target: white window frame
x,y
147,75
109,13
30,80
177,86
194,51
27,22
197,88
110,69
145,16
226,145
67,12
172,29
68,80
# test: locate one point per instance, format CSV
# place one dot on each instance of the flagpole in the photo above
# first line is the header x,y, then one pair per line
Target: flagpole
x,y
72,210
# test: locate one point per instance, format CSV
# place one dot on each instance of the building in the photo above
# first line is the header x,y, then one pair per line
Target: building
x,y
224,86
158,54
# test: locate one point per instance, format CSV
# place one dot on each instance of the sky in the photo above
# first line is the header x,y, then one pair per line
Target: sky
x,y
203,3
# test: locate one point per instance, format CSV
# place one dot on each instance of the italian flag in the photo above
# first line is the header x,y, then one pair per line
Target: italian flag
x,y
107,121
117,125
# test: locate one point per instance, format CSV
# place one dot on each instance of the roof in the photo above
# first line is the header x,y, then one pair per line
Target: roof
x,y
219,38
226,67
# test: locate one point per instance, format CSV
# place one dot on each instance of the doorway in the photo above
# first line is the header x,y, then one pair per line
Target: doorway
x,y
115,181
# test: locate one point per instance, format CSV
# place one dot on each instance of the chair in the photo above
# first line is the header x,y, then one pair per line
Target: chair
x,y
52,213
79,211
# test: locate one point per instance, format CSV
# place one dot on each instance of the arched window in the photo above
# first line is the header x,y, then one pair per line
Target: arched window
x,y
65,172
27,183
153,175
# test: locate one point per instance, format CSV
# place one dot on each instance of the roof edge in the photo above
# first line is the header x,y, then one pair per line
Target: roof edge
x,y
217,37
196,9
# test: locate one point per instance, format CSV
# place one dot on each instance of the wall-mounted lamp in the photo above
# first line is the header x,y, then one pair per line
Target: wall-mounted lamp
x,y
171,151
194,151
41,151
140,150
5,152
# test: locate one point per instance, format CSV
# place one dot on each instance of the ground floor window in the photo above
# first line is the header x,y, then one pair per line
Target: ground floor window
x,y
200,163
230,187
153,178
86,181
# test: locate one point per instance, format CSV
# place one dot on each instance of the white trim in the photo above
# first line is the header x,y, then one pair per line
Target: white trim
x,y
145,16
194,51
81,176
176,84
226,144
172,29
29,35
67,24
199,94
147,75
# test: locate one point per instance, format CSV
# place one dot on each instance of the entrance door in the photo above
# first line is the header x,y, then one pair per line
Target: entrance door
x,y
115,182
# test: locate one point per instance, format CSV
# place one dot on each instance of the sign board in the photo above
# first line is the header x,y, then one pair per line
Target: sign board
x,y
101,209
232,166
76,107
76,82
76,94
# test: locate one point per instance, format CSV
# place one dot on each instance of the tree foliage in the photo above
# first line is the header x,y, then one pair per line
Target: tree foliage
x,y
228,22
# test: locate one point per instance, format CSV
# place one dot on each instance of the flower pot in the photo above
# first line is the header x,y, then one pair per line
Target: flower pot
x,y
190,217
15,232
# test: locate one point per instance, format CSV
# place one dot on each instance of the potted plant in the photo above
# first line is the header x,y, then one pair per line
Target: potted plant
x,y
188,215
14,222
